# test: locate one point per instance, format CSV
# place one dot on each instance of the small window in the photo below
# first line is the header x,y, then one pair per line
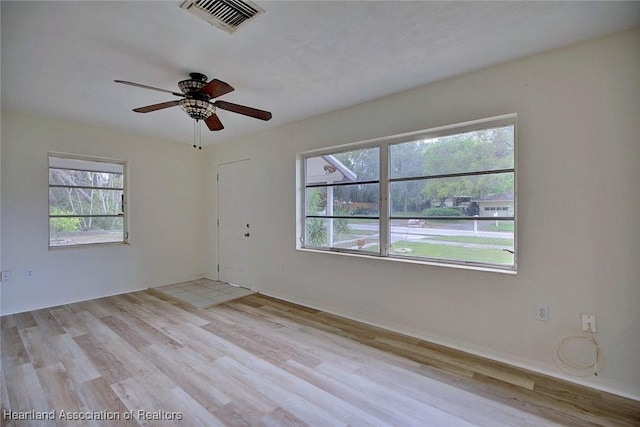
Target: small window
x,y
86,201
445,195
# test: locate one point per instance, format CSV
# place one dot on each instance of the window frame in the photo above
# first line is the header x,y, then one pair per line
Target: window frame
x,y
385,218
345,149
124,199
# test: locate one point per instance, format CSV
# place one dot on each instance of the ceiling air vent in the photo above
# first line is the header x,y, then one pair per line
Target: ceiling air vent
x,y
225,14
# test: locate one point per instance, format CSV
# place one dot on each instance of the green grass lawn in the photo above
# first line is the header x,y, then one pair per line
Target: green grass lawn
x,y
502,226
457,253
475,239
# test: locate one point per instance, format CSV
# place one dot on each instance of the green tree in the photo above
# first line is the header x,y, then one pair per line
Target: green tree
x,y
406,160
489,149
87,193
64,224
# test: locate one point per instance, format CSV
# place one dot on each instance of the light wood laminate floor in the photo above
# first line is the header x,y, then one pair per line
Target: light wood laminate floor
x,y
259,361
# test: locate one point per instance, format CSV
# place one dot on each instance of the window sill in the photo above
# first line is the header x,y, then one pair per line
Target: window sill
x,y
412,261
89,245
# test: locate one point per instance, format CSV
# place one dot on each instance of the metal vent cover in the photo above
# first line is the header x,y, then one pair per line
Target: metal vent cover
x,y
224,14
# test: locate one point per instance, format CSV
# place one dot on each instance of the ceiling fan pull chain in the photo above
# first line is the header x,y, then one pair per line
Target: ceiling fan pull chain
x,y
194,133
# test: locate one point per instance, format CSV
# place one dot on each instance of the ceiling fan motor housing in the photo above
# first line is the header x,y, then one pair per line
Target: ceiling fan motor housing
x,y
193,85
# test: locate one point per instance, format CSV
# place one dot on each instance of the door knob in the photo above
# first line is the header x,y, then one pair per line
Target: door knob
x,y
246,234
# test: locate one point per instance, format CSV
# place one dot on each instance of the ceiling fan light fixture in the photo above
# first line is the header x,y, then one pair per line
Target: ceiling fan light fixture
x,y
194,84
197,109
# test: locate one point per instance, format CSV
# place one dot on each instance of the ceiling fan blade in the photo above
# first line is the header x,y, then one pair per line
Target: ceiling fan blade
x,y
213,122
148,87
216,88
241,109
156,107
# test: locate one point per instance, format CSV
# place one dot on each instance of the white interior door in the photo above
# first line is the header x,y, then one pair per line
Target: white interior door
x,y
234,222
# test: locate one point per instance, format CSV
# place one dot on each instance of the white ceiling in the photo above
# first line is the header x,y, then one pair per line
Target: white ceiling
x,y
298,60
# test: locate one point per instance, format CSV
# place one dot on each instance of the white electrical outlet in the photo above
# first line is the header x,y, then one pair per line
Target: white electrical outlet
x,y
589,323
542,312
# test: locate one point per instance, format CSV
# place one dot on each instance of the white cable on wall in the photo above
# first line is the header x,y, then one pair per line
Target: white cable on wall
x,y
571,367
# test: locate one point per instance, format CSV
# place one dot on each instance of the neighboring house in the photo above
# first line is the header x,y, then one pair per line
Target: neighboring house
x,y
327,169
496,204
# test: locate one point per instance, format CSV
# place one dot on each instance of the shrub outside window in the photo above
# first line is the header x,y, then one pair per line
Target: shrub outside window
x,y
446,195
86,201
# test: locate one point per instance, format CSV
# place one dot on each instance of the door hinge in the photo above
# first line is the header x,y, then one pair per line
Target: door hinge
x,y
218,268
218,223
217,177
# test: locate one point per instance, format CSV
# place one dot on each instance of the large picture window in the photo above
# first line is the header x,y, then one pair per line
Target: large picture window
x,y
86,201
446,195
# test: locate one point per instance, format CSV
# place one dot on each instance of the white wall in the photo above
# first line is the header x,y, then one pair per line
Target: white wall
x,y
166,215
578,230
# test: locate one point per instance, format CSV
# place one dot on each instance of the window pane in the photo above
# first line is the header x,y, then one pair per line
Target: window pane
x,y
459,196
487,242
78,231
351,166
82,201
316,201
481,150
348,200
353,234
316,232
79,178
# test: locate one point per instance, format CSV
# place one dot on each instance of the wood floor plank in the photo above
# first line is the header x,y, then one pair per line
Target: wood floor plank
x,y
68,320
48,324
259,361
136,395
5,405
281,418
78,366
307,411
414,411
344,391
265,347
151,334
187,371
40,351
24,320
13,350
127,333
193,413
162,306
342,410
420,353
112,369
59,388
469,406
134,318
97,394
25,391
